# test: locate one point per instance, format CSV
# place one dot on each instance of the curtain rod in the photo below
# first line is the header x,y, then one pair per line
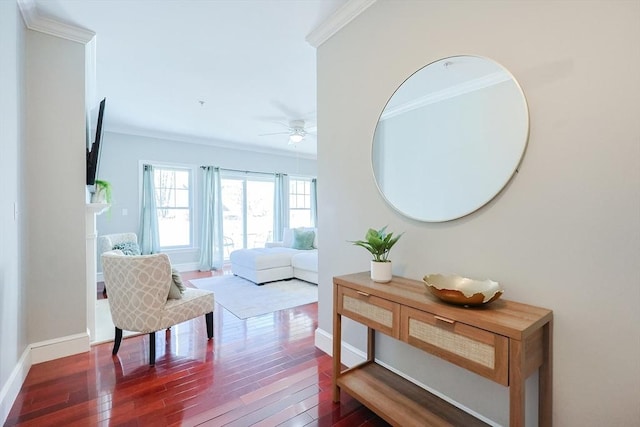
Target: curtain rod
x,y
244,171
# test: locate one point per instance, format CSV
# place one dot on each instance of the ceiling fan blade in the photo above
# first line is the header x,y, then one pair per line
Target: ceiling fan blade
x,y
288,112
274,133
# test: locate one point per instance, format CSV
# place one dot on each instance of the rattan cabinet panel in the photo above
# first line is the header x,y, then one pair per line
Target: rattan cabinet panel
x,y
475,349
377,313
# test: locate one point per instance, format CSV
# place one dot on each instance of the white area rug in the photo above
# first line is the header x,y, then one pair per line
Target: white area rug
x,y
246,299
105,329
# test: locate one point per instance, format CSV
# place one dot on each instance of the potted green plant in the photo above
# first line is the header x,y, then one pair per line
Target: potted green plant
x,y
102,193
379,244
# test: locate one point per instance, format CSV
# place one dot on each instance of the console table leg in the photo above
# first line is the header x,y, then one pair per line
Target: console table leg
x,y
545,376
337,344
371,344
516,384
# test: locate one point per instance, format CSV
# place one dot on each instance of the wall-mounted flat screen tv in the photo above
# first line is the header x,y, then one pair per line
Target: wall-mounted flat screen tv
x,y
94,127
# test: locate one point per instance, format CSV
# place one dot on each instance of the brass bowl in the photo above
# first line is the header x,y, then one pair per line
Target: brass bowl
x,y
463,291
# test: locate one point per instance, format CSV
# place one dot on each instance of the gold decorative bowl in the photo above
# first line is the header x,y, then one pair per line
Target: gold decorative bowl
x,y
461,290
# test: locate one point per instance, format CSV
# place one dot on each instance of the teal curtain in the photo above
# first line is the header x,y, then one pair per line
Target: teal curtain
x,y
314,202
149,234
211,239
280,205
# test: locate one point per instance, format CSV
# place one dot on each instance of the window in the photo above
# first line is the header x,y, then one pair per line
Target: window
x,y
247,212
173,200
300,202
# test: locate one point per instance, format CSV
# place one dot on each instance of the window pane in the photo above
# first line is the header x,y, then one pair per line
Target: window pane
x,y
232,213
174,206
166,197
300,218
181,179
259,212
182,198
174,227
247,213
299,203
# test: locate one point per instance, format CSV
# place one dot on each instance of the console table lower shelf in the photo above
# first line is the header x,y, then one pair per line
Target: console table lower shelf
x,y
505,342
400,402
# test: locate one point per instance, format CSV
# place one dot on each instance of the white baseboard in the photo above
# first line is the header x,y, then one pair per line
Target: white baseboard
x,y
187,266
12,387
59,347
37,353
352,356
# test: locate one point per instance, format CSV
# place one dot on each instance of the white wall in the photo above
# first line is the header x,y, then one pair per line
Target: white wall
x,y
120,165
13,331
54,187
566,232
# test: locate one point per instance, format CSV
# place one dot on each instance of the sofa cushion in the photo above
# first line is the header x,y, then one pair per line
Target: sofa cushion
x,y
303,239
287,237
263,258
307,260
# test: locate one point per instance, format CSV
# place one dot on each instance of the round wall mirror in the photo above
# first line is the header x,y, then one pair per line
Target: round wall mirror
x,y
450,138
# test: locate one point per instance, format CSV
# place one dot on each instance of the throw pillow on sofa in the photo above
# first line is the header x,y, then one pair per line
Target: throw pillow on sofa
x,y
303,239
287,236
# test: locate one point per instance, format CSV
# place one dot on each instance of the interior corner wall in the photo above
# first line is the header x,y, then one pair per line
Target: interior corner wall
x,y
13,309
565,233
54,187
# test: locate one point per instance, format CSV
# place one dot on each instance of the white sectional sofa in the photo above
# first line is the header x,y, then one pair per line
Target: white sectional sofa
x,y
277,261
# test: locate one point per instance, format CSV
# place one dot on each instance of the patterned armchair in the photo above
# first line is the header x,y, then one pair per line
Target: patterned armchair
x,y
138,290
106,242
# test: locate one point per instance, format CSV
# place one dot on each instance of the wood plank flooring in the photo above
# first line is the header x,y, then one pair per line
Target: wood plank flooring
x,y
262,371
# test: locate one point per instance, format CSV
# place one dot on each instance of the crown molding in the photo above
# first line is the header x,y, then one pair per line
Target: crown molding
x,y
44,24
217,143
337,21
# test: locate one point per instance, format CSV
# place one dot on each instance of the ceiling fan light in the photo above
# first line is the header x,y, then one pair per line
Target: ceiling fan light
x,y
294,138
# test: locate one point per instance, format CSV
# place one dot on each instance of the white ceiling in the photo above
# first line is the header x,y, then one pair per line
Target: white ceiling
x,y
246,59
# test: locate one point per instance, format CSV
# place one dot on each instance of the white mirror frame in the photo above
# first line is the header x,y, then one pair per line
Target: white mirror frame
x,y
450,138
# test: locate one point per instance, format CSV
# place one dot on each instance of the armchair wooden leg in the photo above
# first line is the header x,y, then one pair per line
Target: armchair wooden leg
x,y
209,319
117,341
152,348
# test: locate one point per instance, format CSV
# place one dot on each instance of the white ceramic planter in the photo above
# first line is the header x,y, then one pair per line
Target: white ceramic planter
x,y
381,271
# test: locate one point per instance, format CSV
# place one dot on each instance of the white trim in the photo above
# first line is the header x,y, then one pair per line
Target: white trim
x,y
352,356
176,137
337,21
447,93
59,347
44,24
187,266
11,388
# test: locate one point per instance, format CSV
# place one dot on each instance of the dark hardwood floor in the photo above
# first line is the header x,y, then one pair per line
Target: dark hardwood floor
x,y
262,371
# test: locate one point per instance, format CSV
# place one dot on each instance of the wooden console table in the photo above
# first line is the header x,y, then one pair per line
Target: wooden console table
x,y
504,341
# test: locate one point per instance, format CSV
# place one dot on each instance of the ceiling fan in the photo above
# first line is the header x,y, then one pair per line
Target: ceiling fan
x,y
296,131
